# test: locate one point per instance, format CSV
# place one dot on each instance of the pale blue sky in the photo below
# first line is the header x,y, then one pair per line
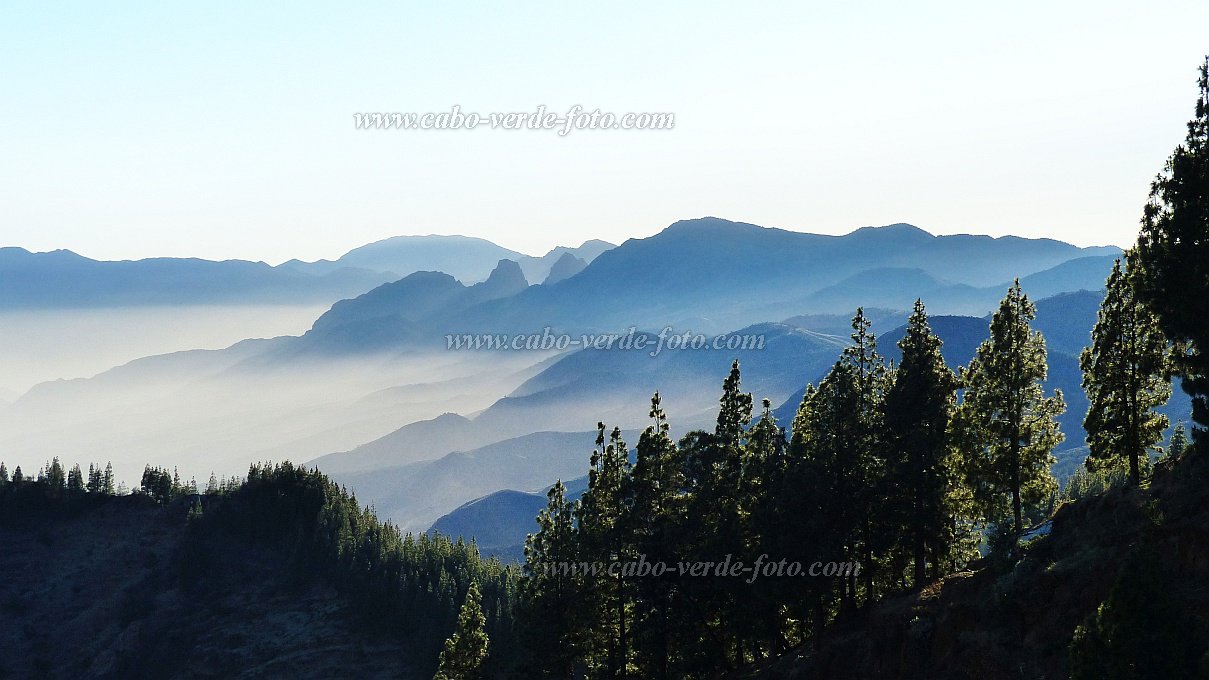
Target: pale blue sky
x,y
215,130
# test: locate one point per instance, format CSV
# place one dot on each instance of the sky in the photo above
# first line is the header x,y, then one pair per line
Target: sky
x,y
221,130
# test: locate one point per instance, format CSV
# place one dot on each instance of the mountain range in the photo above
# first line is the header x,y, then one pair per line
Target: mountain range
x,y
372,395
63,279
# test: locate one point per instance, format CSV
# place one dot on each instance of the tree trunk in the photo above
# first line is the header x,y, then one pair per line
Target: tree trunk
x,y
921,562
1017,514
624,657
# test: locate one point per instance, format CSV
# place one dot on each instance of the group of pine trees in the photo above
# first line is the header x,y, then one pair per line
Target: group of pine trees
x,y
883,467
900,468
55,480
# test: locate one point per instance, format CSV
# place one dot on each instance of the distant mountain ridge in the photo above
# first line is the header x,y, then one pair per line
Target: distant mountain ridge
x,y
726,273
466,258
712,275
64,279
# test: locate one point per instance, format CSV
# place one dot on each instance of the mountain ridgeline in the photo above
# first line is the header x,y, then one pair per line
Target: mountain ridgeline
x,y
62,279
714,275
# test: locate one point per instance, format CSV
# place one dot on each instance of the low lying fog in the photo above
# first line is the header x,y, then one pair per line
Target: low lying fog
x,y
36,346
210,411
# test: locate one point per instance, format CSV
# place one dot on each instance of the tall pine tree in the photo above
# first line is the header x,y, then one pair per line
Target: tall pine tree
x,y
1173,256
1124,375
656,505
763,483
75,480
868,448
1007,421
919,405
466,650
553,587
1179,442
604,540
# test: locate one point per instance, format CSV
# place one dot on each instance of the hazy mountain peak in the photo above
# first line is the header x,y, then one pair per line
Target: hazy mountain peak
x,y
466,258
596,244
416,239
900,230
710,224
506,279
564,268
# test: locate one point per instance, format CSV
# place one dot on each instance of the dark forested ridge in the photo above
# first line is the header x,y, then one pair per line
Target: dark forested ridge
x,y
279,575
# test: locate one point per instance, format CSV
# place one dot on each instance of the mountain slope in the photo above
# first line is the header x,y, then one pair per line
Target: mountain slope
x,y
416,494
106,583
500,521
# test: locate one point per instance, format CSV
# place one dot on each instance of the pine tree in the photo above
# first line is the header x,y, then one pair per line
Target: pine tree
x,y
195,511
761,493
94,479
18,478
1124,375
810,521
107,481
868,448
1007,423
1173,256
212,485
826,475
553,591
718,502
734,413
56,478
919,405
466,650
604,540
656,504
1179,442
3,473
656,479
75,480
764,464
